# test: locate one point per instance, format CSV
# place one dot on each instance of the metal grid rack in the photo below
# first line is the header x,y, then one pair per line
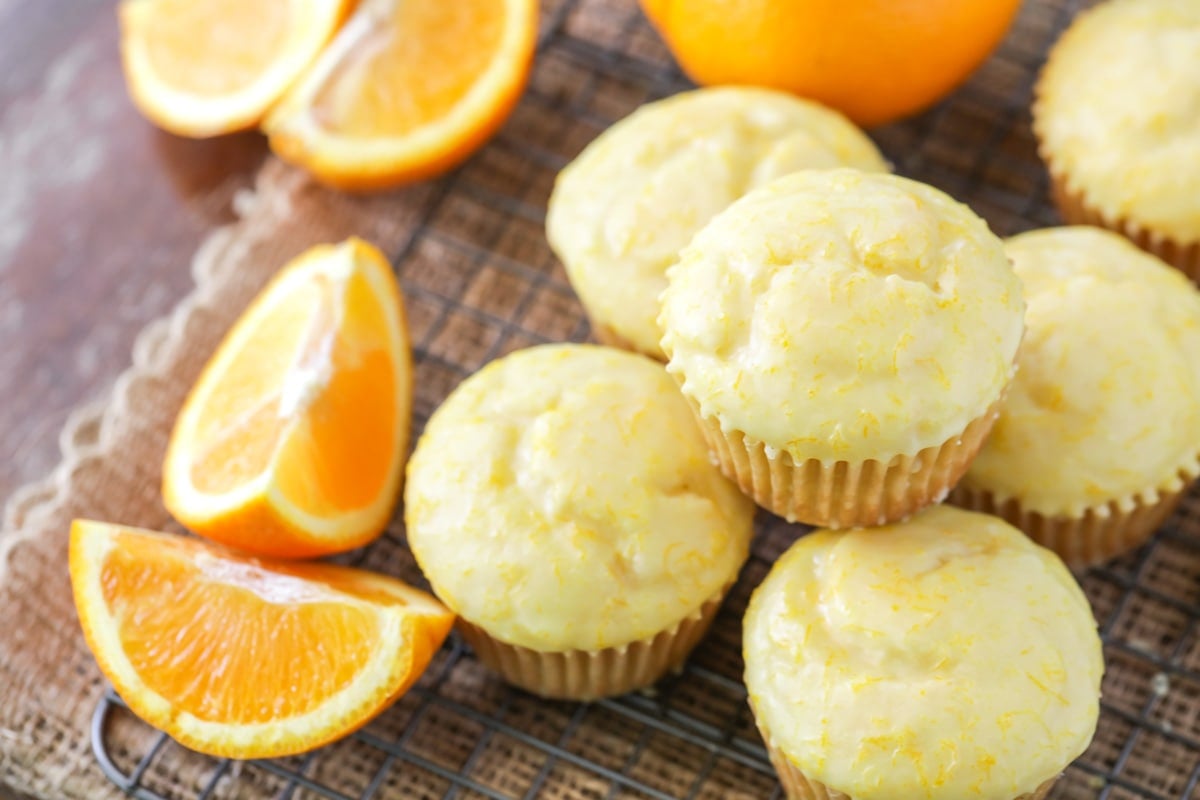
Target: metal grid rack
x,y
480,282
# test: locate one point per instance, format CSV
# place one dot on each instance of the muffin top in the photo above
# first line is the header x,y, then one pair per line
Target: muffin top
x,y
562,499
622,211
1118,113
1106,404
843,316
944,657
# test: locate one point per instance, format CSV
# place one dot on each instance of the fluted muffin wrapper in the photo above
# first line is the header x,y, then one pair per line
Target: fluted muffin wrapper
x,y
1097,535
844,494
798,786
592,674
1075,209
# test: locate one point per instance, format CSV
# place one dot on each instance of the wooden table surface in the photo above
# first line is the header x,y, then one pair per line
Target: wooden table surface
x,y
100,214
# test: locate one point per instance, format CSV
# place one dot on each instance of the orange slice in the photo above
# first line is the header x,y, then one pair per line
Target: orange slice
x,y
407,90
205,67
293,441
243,658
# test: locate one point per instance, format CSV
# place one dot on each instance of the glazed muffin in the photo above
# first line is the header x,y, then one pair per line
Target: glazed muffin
x,y
562,503
942,658
1100,433
621,212
844,339
1117,116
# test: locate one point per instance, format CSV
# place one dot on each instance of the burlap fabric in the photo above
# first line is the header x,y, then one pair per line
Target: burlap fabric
x,y
480,282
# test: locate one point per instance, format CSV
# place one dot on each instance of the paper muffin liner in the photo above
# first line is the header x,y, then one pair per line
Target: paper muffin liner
x,y
1075,209
608,336
844,494
592,674
1099,534
798,786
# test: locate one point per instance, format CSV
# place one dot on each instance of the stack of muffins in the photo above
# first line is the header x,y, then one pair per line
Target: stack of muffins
x,y
845,348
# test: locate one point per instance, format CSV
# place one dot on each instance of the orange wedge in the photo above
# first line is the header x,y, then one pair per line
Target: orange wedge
x,y
243,658
205,67
407,90
293,441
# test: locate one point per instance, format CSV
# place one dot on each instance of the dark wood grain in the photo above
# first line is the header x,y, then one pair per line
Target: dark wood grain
x,y
99,216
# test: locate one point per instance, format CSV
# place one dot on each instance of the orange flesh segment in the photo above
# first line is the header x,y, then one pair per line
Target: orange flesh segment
x,y
176,615
413,68
240,428
241,451
351,424
334,454
203,48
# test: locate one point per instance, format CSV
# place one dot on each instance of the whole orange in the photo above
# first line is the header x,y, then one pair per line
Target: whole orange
x,y
875,60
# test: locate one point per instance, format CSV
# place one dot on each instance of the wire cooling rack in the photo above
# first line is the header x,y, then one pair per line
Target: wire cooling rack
x,y
481,282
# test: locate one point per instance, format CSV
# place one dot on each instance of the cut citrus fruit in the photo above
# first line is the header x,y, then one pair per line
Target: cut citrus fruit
x,y
205,67
407,89
293,441
243,658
